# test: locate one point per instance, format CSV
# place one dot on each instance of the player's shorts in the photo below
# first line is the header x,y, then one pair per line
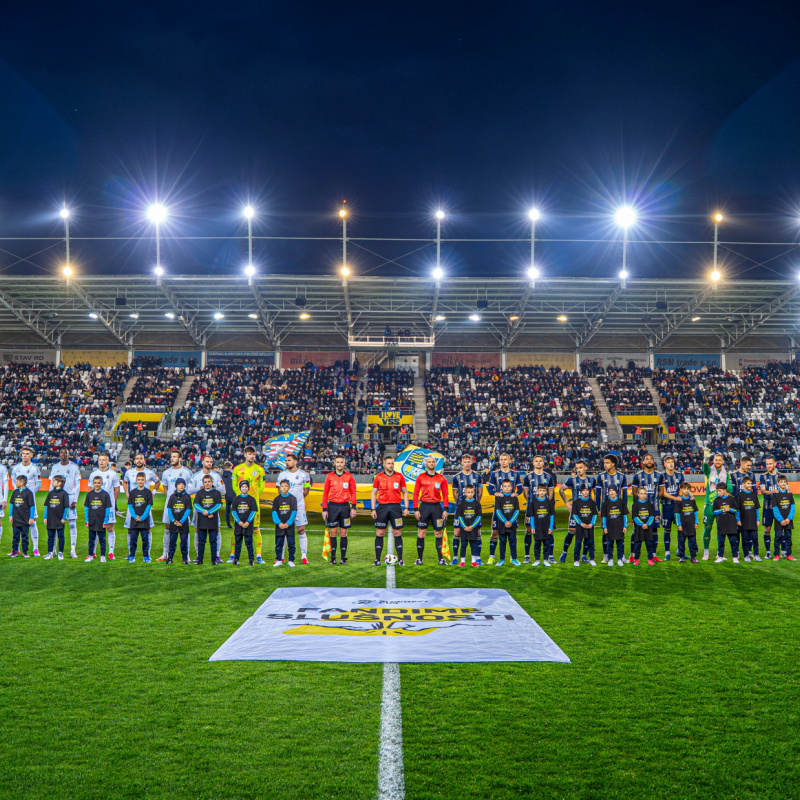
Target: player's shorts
x,y
769,517
72,513
301,520
389,514
430,513
338,515
667,517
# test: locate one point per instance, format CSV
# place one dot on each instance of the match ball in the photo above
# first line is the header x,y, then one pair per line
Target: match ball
x,y
390,560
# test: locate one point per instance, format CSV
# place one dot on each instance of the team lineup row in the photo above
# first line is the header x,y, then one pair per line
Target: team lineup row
x,y
196,500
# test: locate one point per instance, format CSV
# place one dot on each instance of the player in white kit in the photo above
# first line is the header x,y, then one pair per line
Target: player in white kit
x,y
195,485
110,480
169,477
299,486
129,483
31,472
72,486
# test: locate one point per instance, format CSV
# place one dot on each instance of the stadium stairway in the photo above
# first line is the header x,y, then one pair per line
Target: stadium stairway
x,y
612,425
421,410
648,382
183,392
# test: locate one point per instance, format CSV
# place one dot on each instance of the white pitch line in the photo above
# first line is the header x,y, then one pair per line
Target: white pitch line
x,y
391,776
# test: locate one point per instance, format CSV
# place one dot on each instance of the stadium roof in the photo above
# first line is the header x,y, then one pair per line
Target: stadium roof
x,y
180,311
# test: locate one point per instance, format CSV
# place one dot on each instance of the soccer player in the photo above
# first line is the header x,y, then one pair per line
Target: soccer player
x,y
254,475
614,519
468,518
686,511
23,516
110,477
196,485
669,491
783,511
72,486
467,477
169,477
542,520
431,502
606,480
506,512
207,503
140,519
97,510
284,513
299,487
530,484
388,490
643,515
574,483
584,513
180,509
245,509
716,474
651,480
33,484
749,518
768,485
740,475
56,511
494,487
338,505
3,495
726,512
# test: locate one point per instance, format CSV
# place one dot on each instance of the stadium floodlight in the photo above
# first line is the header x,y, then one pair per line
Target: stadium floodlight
x,y
342,212
439,214
718,217
533,273
305,315
437,273
625,216
92,315
475,317
562,317
715,275
253,316
345,271
219,315
534,214
159,270
156,213
439,318
67,271
696,319
248,212
135,315
513,317
169,315
64,213
250,270
623,274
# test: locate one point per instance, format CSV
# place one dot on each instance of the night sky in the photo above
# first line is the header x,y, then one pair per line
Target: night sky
x,y
483,109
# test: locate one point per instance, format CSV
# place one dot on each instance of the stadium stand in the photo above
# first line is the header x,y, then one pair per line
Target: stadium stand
x,y
156,386
49,407
390,388
524,411
624,390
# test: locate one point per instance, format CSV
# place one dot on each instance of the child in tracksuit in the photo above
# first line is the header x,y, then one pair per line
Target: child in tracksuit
x,y
726,512
688,520
614,516
543,521
584,514
468,520
98,512
783,511
749,519
207,503
506,512
643,515
244,509
140,504
179,512
56,510
284,511
23,515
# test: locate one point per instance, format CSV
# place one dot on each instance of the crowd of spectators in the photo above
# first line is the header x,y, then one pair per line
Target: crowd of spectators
x,y
389,388
624,390
156,386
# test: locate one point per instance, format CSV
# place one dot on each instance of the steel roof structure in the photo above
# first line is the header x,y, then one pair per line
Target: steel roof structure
x,y
645,313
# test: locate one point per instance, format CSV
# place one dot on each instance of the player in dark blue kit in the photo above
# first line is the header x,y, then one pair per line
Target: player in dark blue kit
x,y
495,488
651,480
669,491
574,483
460,482
531,482
768,485
606,480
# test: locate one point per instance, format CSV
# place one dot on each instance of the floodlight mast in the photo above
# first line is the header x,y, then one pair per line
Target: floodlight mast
x,y
65,216
717,219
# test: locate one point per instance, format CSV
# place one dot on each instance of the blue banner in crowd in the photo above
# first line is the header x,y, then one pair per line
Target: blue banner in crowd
x,y
171,358
254,358
687,360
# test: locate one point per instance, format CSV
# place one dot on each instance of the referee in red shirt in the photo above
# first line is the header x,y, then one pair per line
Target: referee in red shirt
x,y
338,505
431,501
388,488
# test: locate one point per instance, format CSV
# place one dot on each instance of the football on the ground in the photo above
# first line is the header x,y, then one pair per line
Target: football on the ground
x,y
390,560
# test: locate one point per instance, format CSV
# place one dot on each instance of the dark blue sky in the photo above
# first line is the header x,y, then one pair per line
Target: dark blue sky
x,y
399,107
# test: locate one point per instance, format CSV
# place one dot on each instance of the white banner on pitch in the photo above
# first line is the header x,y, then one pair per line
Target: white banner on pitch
x,y
396,625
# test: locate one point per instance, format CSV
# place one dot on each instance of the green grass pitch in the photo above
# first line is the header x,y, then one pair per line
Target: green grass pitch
x,y
683,683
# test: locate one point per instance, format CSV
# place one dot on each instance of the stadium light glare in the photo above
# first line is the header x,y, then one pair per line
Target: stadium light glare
x,y
248,212
159,270
513,317
534,214
169,315
718,217
437,273
219,315
92,315
249,270
696,319
67,271
342,212
439,318
623,274
345,271
625,216
305,315
253,316
475,317
64,213
440,214
135,315
715,275
533,273
156,213
562,317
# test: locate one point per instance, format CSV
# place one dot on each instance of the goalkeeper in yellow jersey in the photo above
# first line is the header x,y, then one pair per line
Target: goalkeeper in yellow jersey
x,y
254,474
